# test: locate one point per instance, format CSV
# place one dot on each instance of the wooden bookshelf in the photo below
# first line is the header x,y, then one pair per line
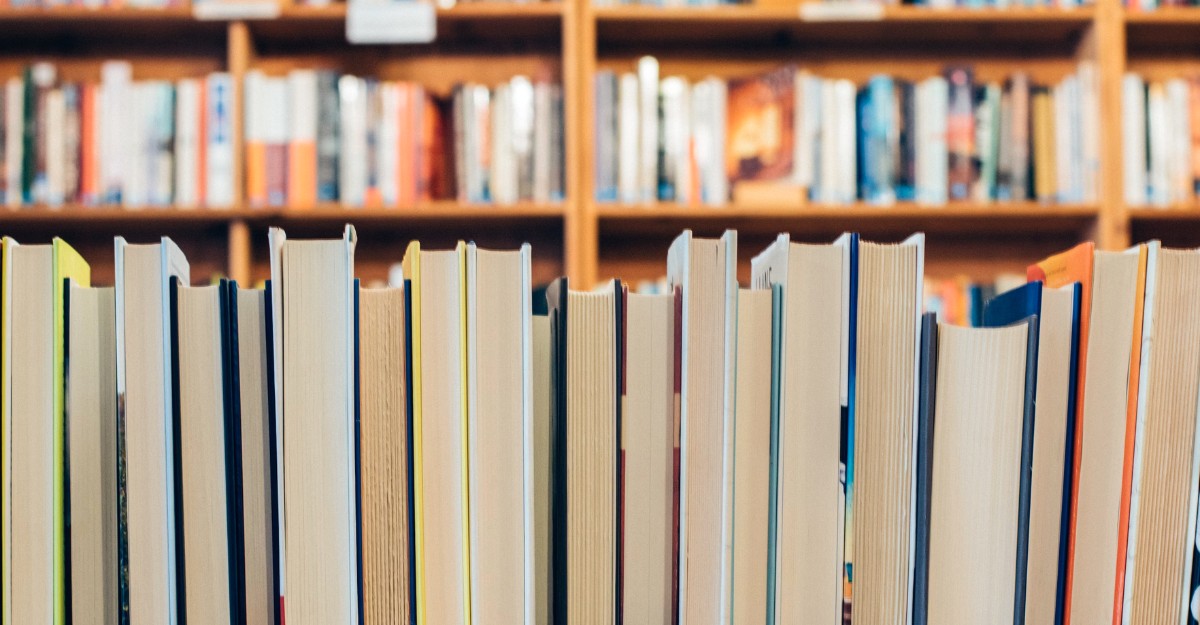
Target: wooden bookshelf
x,y
570,41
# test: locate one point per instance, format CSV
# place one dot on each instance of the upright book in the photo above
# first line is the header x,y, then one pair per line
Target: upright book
x,y
37,427
147,447
313,328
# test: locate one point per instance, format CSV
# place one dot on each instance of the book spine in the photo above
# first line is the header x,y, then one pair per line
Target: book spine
x,y
163,146
543,140
1019,173
302,142
275,119
389,138
606,135
371,94
327,138
1133,134
218,175
352,176
629,134
254,112
904,157
647,72
960,132
846,169
1181,136
72,95
187,141
1044,150
1004,148
52,156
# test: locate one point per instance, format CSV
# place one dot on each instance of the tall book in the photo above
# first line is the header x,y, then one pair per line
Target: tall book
x,y
91,414
207,419
500,434
1162,518
984,407
258,436
813,326
585,413
7,245
37,427
647,461
879,424
385,439
440,477
313,321
705,272
218,152
302,142
147,445
960,133
752,467
541,468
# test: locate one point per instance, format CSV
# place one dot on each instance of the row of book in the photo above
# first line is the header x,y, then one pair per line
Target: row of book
x,y
118,141
315,136
1161,134
789,135
811,448
168,4
312,136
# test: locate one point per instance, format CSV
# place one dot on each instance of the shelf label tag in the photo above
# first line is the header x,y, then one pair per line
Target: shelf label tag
x,y
235,10
406,21
841,11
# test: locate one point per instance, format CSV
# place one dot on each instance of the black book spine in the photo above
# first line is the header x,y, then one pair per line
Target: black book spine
x,y
274,438
235,509
556,299
925,420
328,126
177,467
408,405
1031,357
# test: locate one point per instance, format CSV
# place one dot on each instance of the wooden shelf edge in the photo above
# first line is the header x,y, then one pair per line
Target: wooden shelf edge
x,y
1189,212
330,12
971,210
749,13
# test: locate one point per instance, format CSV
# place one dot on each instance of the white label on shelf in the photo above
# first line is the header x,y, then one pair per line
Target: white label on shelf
x,y
235,10
841,11
406,21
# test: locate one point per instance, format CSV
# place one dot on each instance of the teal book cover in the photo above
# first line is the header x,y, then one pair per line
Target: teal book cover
x,y
773,512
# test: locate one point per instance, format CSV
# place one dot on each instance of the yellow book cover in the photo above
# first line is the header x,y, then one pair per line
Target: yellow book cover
x,y
68,265
412,273
6,248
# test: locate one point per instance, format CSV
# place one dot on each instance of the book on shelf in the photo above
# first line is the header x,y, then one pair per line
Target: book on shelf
x,y
789,136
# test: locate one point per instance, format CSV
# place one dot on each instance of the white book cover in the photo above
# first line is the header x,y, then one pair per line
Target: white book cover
x,y
807,124
1159,132
353,154
137,184
55,138
675,135
114,128
187,142
387,142
479,129
218,153
503,174
276,239
717,183
937,150
847,137
829,144
921,129
543,150
521,95
1062,140
1088,116
628,136
647,71
1133,135
1179,160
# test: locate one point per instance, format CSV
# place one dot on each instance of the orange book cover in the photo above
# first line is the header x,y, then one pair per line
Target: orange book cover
x,y
405,180
302,173
256,173
1135,365
1074,265
1194,114
87,143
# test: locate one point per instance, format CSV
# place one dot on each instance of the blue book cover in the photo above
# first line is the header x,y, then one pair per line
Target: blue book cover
x,y
1069,456
848,412
773,489
878,124
1021,305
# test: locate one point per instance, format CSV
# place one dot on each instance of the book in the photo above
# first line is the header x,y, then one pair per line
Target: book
x,y
500,433
704,271
586,416
91,413
812,325
960,133
752,468
7,245
313,322
385,443
302,91
926,407
760,127
542,453
148,537
647,458
440,479
880,422
35,344
983,409
219,175
207,418
1161,521
648,134
259,452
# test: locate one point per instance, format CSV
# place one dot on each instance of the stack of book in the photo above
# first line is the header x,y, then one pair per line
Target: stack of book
x,y
808,448
117,141
314,136
1161,130
790,136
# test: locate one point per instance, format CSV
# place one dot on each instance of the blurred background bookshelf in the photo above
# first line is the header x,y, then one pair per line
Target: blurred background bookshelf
x,y
568,44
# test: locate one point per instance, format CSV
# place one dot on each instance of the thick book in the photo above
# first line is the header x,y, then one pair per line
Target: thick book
x,y
984,408
585,430
36,460
705,272
812,283
880,421
647,458
384,440
440,478
147,450
313,326
1162,518
500,434
752,467
207,420
91,413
